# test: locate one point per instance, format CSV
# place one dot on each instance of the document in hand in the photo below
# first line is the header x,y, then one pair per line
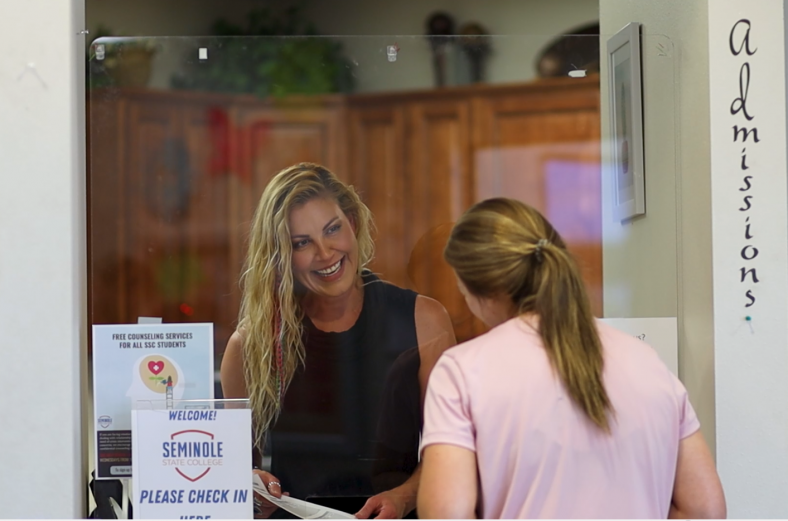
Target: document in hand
x,y
297,507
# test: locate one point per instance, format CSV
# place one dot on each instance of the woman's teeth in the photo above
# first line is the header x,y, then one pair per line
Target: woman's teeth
x,y
331,269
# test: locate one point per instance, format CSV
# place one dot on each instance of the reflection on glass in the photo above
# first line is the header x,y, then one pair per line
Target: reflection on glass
x,y
179,161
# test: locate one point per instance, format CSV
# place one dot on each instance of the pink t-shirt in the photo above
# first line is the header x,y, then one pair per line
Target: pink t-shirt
x,y
538,455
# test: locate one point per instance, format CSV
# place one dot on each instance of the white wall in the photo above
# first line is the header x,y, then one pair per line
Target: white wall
x,y
734,370
162,17
512,60
528,24
42,259
659,265
749,213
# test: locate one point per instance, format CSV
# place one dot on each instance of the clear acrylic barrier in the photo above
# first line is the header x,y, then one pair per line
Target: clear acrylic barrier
x,y
186,405
185,133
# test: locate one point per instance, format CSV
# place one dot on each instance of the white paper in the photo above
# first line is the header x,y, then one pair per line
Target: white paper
x,y
297,507
119,513
661,333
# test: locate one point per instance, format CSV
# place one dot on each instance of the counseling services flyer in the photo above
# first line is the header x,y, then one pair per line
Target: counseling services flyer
x,y
134,362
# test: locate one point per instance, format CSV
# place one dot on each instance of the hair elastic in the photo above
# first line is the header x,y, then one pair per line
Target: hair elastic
x,y
541,243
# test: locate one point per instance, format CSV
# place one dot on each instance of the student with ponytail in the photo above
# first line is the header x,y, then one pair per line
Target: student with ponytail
x,y
552,413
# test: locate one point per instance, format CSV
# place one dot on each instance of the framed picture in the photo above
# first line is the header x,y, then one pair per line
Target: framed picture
x,y
626,122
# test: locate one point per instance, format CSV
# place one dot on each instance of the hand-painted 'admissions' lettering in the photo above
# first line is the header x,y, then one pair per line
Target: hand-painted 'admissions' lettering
x,y
739,42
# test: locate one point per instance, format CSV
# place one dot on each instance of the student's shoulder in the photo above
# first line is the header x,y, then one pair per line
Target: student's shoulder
x,y
626,347
615,338
502,337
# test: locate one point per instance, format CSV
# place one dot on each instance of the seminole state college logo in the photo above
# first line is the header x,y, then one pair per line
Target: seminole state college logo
x,y
192,453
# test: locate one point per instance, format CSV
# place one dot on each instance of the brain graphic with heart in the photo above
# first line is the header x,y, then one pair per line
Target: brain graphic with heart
x,y
155,371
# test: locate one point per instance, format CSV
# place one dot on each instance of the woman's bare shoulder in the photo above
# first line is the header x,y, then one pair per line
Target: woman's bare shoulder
x,y
430,310
433,326
232,369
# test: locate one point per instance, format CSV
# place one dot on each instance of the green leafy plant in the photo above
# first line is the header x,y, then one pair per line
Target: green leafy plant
x,y
275,54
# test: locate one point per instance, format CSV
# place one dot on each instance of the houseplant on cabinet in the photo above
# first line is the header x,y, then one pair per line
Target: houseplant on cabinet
x,y
275,54
119,61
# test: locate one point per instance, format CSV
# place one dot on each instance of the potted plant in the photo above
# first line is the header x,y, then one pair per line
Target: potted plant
x,y
120,61
255,61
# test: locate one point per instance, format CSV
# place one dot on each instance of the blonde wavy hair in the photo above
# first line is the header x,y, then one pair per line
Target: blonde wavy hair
x,y
270,318
504,247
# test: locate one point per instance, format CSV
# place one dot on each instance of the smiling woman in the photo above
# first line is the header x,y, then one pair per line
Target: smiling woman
x,y
334,360
325,250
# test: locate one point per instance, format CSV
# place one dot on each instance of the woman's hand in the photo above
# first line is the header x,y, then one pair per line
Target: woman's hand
x,y
386,505
262,507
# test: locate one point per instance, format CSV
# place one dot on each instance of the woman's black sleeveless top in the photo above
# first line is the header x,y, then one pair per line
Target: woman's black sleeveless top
x,y
351,417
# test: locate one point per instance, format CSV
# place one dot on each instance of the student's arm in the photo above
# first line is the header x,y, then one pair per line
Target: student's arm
x,y
449,476
448,483
697,491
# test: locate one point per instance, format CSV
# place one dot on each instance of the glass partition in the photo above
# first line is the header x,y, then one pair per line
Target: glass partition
x,y
186,133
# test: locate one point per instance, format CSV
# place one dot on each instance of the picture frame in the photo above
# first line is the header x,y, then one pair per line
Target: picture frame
x,y
626,122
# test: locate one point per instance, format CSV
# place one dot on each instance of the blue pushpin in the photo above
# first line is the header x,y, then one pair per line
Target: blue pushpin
x,y
748,318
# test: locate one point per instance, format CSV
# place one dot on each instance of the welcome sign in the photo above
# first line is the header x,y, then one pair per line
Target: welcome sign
x,y
192,463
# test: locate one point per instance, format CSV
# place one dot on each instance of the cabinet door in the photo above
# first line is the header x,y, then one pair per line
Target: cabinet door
x,y
376,152
542,145
270,138
154,214
154,208
209,288
439,187
105,195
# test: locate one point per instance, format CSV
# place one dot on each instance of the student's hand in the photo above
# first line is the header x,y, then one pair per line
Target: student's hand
x,y
386,505
264,508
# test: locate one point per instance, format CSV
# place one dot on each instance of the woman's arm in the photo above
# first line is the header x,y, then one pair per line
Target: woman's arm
x,y
232,370
435,334
234,386
697,491
449,485
395,503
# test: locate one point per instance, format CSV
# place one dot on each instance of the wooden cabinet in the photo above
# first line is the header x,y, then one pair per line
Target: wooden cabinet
x,y
175,178
377,169
541,145
411,164
420,159
440,179
268,138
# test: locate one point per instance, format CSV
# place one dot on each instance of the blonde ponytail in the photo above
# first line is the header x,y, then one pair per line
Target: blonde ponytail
x,y
505,247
